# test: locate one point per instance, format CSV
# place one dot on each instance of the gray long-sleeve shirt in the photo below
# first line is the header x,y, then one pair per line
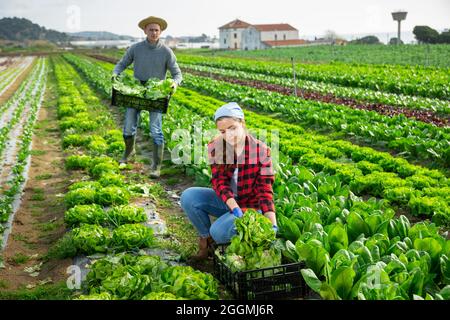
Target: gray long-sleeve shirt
x,y
150,61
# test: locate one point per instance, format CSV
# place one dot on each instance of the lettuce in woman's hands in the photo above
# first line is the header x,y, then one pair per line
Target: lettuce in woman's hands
x,y
253,247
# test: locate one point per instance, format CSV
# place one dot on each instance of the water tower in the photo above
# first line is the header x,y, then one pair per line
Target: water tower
x,y
399,16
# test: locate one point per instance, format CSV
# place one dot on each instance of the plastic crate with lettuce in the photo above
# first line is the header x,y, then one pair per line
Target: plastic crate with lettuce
x,y
152,89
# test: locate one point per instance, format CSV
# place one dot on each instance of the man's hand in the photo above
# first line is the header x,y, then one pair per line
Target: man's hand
x,y
237,212
114,77
174,86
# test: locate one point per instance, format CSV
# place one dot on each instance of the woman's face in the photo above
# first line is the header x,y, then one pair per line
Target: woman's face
x,y
232,130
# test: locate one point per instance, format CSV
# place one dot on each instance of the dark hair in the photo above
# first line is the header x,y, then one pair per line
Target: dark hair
x,y
233,118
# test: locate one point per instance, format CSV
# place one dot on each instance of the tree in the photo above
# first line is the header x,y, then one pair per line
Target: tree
x,y
394,41
444,37
366,40
425,34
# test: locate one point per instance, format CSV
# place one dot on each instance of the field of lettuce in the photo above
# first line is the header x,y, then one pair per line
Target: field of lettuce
x,y
362,187
421,55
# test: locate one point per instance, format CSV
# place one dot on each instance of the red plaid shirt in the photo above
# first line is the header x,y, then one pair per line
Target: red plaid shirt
x,y
255,175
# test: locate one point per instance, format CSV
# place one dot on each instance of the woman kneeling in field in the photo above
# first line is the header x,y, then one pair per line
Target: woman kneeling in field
x,y
242,177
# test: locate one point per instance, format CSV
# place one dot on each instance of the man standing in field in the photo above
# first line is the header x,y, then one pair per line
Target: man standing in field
x,y
151,59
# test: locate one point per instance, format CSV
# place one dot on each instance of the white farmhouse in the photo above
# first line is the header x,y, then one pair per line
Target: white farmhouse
x,y
230,35
241,35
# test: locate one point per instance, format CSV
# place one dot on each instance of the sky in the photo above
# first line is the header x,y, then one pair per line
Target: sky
x,y
194,17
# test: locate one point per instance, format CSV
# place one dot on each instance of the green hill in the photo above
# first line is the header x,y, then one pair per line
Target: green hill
x,y
98,35
21,29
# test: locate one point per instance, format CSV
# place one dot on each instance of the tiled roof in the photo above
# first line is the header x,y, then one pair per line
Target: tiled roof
x,y
236,24
279,43
274,27
239,24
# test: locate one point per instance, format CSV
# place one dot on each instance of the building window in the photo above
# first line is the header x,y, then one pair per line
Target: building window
x,y
275,37
224,41
284,37
235,35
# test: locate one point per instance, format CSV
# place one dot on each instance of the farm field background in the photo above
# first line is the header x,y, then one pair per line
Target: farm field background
x,y
423,55
362,184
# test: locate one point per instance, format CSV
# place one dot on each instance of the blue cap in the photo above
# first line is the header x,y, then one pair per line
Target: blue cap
x,y
231,109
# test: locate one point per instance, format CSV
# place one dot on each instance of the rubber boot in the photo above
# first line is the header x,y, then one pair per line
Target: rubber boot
x,y
158,153
129,152
204,249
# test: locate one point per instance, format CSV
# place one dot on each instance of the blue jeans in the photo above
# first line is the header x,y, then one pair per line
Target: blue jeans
x,y
132,116
198,203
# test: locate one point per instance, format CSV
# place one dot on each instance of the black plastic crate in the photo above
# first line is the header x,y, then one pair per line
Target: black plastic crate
x,y
281,282
121,100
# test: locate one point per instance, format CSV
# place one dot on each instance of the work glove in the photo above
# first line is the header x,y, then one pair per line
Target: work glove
x,y
237,212
174,86
114,77
275,228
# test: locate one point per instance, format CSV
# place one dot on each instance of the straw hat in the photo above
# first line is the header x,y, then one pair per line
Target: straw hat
x,y
162,23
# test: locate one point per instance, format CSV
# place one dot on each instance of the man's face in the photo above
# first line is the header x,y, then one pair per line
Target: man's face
x,y
153,31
